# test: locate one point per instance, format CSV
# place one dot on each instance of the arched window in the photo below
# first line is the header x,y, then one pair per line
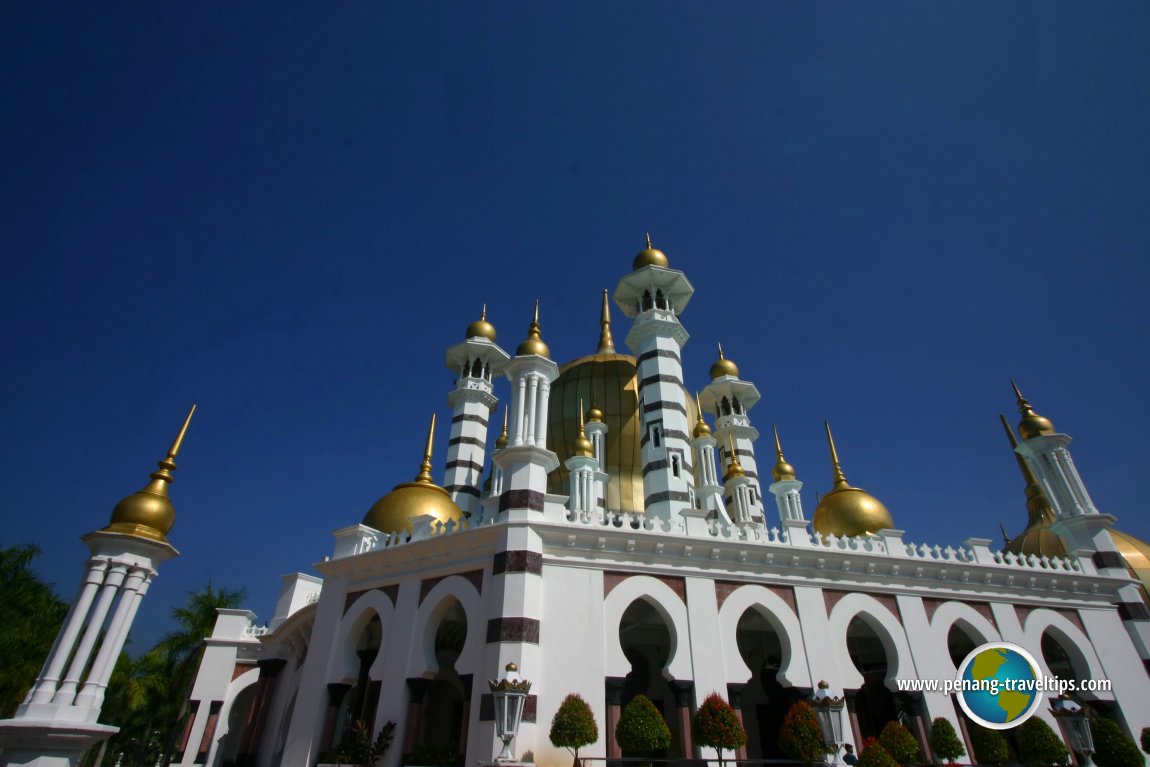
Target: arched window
x,y
765,701
647,303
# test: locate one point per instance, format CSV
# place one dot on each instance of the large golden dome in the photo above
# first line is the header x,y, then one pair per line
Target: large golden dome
x,y
848,511
396,511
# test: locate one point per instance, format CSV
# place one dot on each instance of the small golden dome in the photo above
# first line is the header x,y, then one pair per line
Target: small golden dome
x,y
502,440
582,446
734,468
724,367
782,469
848,511
533,344
649,256
594,415
149,513
395,511
701,428
1032,424
481,328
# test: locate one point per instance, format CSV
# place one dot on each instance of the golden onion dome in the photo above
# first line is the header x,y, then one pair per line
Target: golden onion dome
x,y
1032,424
396,511
701,428
149,513
502,440
533,344
582,446
782,469
481,328
594,415
734,468
724,367
649,256
848,511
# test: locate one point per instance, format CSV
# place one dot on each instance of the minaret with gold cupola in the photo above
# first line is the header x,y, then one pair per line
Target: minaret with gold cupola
x,y
848,511
786,487
475,361
654,295
585,499
58,719
730,398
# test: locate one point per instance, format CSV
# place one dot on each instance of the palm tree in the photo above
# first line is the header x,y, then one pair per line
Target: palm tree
x,y
30,617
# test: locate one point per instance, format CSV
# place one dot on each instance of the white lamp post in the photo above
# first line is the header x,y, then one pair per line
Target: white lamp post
x,y
1075,727
510,694
830,714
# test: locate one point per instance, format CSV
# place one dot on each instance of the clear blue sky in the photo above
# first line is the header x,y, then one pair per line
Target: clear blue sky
x,y
287,211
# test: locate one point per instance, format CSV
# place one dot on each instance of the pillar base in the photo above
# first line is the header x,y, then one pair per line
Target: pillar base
x,y
46,743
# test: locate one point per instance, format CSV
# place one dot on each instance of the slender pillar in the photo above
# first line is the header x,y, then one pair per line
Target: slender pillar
x,y
43,691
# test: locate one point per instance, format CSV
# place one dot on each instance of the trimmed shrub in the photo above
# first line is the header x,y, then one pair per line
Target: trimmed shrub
x,y
899,743
944,741
800,737
715,725
1039,746
573,725
1112,746
874,755
990,747
1145,739
641,728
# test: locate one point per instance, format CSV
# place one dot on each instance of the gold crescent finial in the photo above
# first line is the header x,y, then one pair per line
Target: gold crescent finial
x,y
425,467
648,240
840,478
606,342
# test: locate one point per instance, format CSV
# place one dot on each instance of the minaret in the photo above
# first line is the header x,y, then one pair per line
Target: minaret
x,y
729,398
1039,512
596,429
707,486
500,442
741,491
654,296
785,487
57,721
585,499
474,361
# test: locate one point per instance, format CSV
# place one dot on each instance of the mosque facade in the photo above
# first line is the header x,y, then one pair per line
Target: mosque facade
x,y
621,536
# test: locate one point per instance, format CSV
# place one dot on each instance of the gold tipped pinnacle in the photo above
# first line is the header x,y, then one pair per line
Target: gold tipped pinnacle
x,y
1005,536
168,464
1037,506
721,351
483,313
502,439
581,432
606,342
701,429
1032,424
648,240
778,444
840,478
782,470
735,469
533,344
425,468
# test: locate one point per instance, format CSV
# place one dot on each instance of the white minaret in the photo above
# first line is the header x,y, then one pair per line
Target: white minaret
x,y
730,398
474,361
710,492
585,498
786,488
654,295
741,493
58,720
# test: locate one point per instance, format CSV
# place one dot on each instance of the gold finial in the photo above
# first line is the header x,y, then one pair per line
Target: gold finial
x,y
840,478
606,343
594,414
148,513
483,312
782,469
502,439
1005,537
1032,424
1037,505
581,434
534,341
721,351
734,469
649,256
481,328
648,240
582,445
724,367
701,428
425,467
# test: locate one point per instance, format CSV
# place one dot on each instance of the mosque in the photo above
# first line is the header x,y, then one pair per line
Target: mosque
x,y
619,537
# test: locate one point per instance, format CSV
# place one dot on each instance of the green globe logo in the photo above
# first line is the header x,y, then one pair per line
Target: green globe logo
x,y
997,685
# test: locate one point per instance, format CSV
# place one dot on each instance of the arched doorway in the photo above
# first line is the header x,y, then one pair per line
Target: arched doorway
x,y
874,705
359,702
647,644
443,711
229,747
765,701
959,644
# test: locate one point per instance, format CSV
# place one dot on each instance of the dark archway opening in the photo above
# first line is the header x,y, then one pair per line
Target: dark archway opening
x,y
646,642
765,700
874,704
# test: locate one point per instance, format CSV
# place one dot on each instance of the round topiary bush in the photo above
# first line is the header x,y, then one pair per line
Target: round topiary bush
x,y
800,737
944,741
1145,739
641,728
1038,746
874,755
716,725
1112,746
990,747
573,725
899,743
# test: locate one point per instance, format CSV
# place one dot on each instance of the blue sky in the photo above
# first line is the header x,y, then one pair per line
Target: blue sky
x,y
286,212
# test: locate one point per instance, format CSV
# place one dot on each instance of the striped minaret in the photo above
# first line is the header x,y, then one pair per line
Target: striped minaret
x,y
730,398
474,361
653,295
1078,523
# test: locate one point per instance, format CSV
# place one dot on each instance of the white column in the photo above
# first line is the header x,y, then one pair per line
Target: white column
x,y
520,407
541,413
532,395
67,691
66,640
92,694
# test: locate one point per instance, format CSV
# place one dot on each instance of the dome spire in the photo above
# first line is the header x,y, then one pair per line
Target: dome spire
x,y
582,446
701,427
149,512
424,476
606,343
534,341
782,469
735,469
1032,424
840,478
502,439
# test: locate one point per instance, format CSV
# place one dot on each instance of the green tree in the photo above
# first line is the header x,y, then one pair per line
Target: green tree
x,y
1038,746
899,743
30,618
944,741
874,755
641,729
716,725
573,725
800,737
1112,746
1144,739
360,750
990,747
